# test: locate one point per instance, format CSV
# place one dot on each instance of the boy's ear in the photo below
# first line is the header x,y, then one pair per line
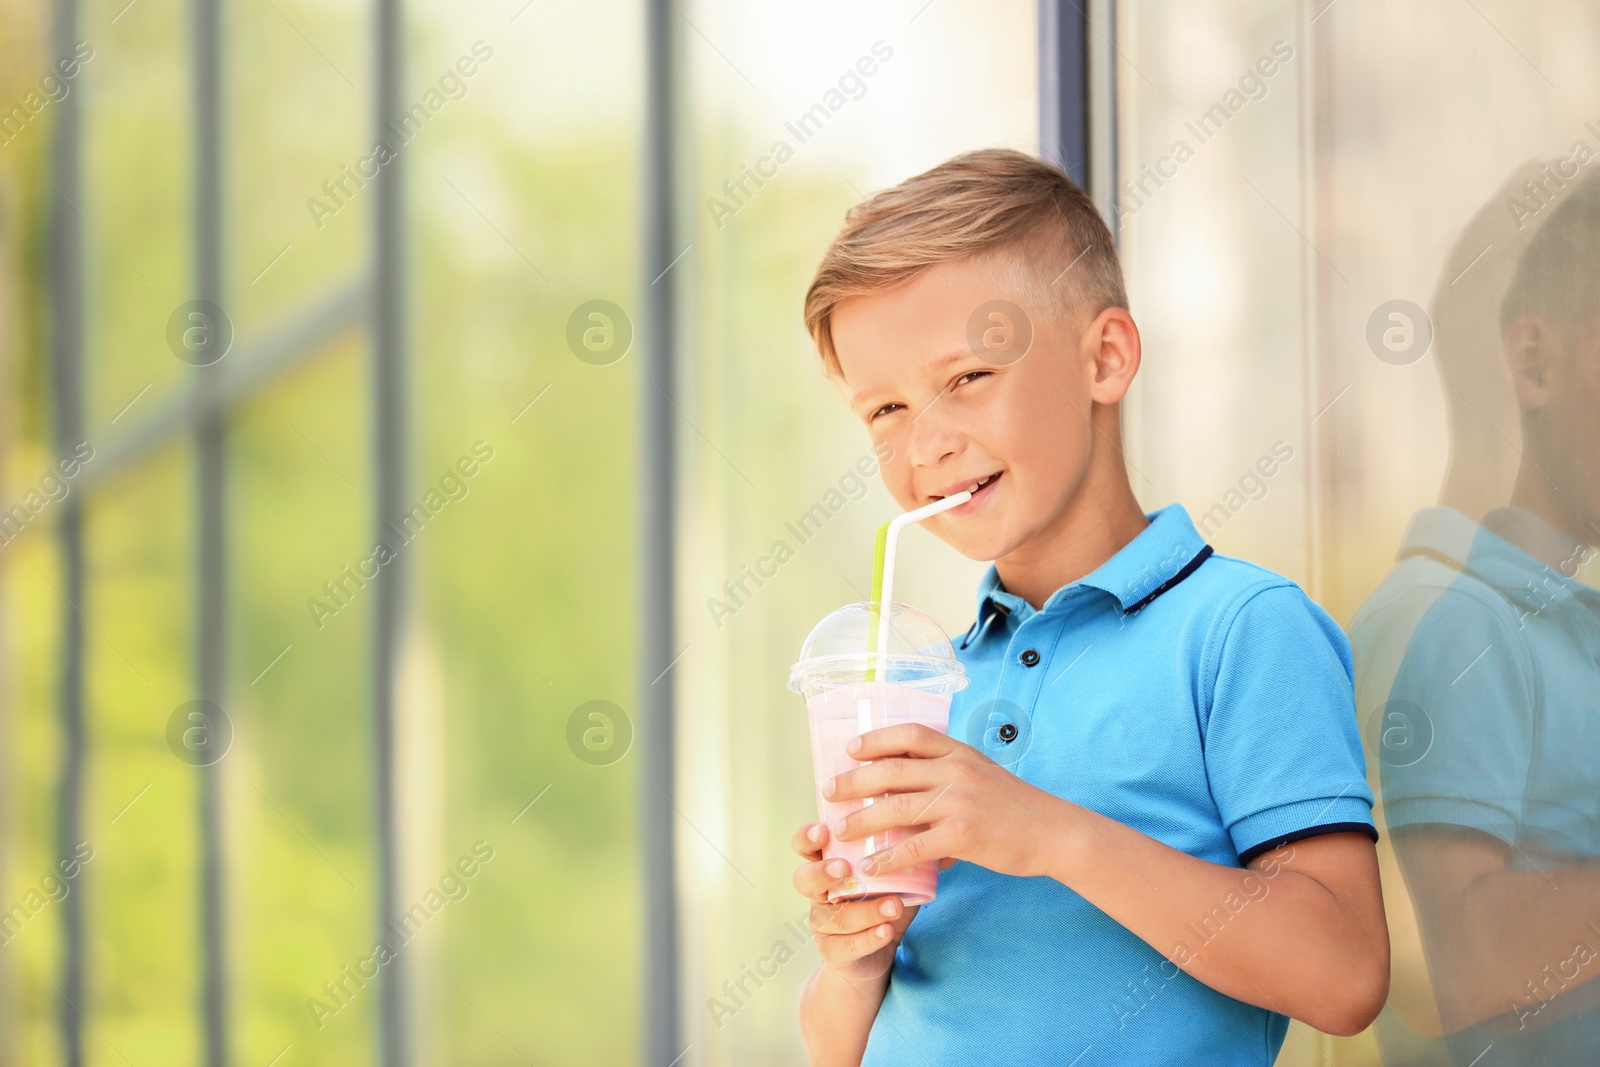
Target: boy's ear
x,y
1110,348
1530,349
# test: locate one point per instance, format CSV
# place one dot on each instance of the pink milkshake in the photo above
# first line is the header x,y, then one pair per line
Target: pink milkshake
x,y
835,719
849,692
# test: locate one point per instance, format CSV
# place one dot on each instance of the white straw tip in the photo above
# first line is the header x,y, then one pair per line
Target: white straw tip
x,y
954,500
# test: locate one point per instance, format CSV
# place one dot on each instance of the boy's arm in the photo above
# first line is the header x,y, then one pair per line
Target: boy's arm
x,y
1301,932
1502,941
1312,944
836,1016
857,940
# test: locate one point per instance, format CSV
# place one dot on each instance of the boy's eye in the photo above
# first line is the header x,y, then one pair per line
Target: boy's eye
x,y
960,380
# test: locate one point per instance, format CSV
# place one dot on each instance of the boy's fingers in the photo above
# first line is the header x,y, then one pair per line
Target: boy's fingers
x,y
906,738
846,948
813,880
890,812
879,777
918,848
853,916
809,839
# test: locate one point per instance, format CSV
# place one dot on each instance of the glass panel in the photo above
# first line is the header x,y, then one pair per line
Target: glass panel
x,y
1209,202
788,134
133,97
140,830
522,171
298,778
300,163
525,187
1381,255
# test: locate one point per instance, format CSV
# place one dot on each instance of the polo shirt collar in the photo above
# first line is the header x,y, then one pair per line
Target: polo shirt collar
x,y
1440,532
1513,552
1537,537
1158,557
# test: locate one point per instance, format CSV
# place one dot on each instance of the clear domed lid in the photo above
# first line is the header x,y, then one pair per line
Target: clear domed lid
x,y
919,654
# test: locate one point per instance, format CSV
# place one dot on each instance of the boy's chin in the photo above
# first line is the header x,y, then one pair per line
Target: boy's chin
x,y
982,547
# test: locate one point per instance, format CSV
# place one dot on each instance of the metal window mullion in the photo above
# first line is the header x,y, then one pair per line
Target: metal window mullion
x,y
389,463
210,461
657,547
66,363
1063,87
1100,107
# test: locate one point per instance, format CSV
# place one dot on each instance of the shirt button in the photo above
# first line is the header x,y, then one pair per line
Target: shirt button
x,y
1029,657
1008,732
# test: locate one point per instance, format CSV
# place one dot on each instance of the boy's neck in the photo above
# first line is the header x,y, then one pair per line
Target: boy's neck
x,y
1534,493
1102,517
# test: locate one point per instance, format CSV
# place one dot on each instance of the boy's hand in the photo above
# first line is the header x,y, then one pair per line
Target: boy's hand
x,y
973,808
856,938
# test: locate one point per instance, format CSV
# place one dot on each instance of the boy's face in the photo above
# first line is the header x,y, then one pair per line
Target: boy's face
x,y
1564,440
956,414
1574,411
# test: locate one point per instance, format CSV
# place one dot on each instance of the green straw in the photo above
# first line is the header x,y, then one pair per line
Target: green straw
x,y
879,548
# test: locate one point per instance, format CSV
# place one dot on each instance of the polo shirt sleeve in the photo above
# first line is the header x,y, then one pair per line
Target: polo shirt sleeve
x,y
1282,748
1466,684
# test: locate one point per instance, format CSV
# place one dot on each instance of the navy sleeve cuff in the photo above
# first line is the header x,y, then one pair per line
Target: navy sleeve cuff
x,y
1311,831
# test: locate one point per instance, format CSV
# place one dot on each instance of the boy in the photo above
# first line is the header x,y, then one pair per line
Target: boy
x,y
1151,810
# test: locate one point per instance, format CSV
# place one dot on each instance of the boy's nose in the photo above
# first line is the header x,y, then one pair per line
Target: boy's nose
x,y
930,476
933,441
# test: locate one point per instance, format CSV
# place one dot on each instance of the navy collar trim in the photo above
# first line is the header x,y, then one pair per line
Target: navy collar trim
x,y
1188,569
1153,557
993,609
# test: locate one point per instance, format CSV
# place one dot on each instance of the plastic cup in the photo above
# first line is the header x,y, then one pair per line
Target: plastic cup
x,y
849,691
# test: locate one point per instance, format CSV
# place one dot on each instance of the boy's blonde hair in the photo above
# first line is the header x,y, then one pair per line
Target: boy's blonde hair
x,y
1041,231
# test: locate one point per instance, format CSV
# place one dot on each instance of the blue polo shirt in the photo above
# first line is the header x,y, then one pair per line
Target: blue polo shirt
x,y
1200,699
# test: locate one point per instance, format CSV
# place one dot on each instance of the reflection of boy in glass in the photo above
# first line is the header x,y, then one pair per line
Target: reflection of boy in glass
x,y
1484,455
1492,793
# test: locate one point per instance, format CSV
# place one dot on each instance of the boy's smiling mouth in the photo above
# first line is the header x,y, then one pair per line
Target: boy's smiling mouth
x,y
981,489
